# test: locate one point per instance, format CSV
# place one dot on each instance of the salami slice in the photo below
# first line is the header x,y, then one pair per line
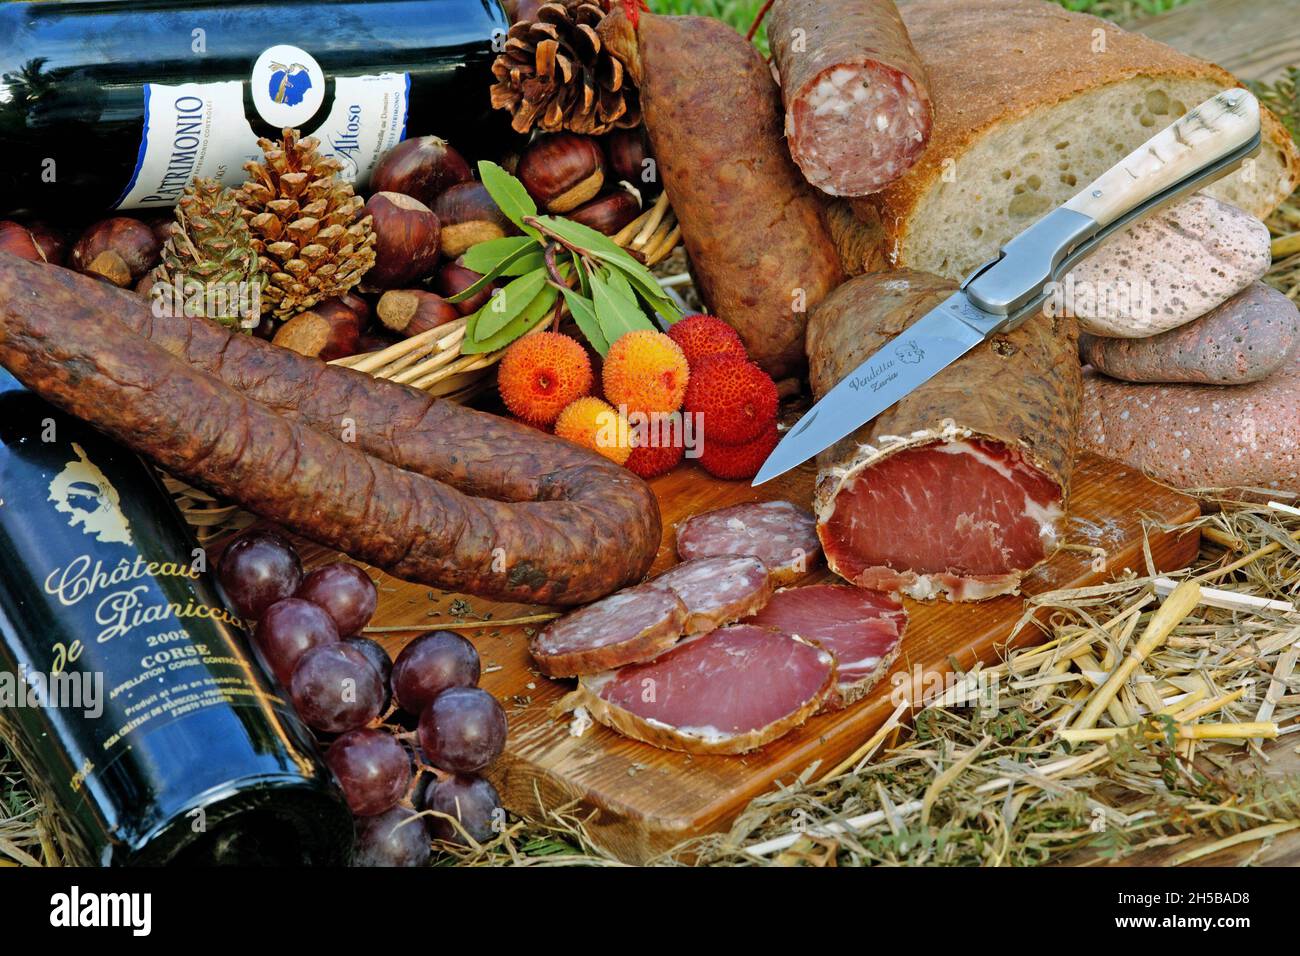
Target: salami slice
x,y
718,591
857,109
635,624
862,628
781,535
724,692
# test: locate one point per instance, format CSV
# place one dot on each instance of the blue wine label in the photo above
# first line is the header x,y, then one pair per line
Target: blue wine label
x,y
196,130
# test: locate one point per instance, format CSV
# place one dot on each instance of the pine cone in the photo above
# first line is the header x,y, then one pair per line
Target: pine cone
x,y
567,71
208,260
307,225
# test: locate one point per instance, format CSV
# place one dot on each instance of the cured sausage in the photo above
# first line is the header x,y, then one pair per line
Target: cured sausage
x,y
636,624
863,629
717,591
781,535
429,491
961,487
724,692
759,252
857,108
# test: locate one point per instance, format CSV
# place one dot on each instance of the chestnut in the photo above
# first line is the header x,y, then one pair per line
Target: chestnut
x,y
357,304
608,213
412,311
407,235
376,340
420,168
469,215
17,240
562,171
329,331
120,250
628,152
52,242
453,279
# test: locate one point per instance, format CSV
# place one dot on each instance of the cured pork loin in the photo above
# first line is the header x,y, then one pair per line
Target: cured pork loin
x,y
717,591
634,624
857,108
725,692
863,630
961,487
778,533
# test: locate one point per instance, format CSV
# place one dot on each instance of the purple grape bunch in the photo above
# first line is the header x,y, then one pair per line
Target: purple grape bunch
x,y
308,639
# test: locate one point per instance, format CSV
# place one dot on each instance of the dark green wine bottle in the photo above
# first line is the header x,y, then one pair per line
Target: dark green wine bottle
x,y
126,687
117,104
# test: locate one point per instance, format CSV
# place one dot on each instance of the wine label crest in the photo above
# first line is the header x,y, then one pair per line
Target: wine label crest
x,y
82,492
288,86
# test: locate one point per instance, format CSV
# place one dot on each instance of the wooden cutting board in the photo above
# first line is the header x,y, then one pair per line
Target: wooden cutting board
x,y
639,800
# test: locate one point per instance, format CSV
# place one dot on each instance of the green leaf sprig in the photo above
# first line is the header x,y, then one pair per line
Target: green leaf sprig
x,y
557,263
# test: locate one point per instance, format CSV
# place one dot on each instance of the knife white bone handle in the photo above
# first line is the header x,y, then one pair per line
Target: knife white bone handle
x,y
1204,144
1216,128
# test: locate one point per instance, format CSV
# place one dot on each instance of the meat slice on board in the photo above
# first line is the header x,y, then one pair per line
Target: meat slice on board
x,y
780,534
724,692
862,628
635,624
717,591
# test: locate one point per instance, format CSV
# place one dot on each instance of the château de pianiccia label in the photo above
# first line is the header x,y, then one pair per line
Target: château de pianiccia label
x,y
125,682
120,104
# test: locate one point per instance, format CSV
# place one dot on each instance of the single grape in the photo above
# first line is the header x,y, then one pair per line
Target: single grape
x,y
429,665
393,838
379,659
463,730
288,630
334,688
471,800
373,769
257,569
345,592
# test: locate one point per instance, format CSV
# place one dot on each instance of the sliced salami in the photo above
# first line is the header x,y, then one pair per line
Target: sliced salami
x,y
718,591
857,108
724,692
862,628
781,535
635,624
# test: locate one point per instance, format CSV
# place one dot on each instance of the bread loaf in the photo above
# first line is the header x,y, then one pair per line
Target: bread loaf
x,y
1031,103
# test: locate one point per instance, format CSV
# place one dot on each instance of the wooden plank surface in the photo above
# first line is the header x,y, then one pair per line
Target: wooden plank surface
x,y
1255,39
643,800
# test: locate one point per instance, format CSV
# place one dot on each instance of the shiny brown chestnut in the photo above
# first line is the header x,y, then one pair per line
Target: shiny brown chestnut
x,y
469,215
412,311
328,331
120,250
421,168
407,239
608,213
630,160
562,171
453,279
17,240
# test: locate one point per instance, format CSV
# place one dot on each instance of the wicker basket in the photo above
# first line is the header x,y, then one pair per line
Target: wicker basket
x,y
431,362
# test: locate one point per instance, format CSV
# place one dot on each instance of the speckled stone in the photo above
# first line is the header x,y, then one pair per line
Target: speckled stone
x,y
1246,339
1200,436
1193,256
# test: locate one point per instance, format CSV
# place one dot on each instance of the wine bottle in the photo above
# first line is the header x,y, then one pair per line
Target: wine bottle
x,y
126,686
118,104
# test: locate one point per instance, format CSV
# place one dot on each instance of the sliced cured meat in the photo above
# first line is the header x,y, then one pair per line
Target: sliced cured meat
x,y
724,692
863,629
635,624
978,514
857,111
960,487
718,591
781,535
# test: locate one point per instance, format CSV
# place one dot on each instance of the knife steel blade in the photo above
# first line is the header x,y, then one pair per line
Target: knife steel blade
x,y
1204,144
